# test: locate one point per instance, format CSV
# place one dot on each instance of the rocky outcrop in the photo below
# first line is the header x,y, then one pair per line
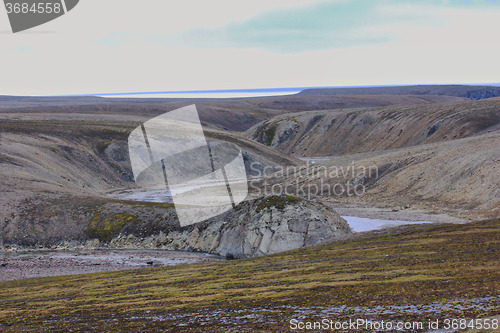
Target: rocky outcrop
x,y
258,227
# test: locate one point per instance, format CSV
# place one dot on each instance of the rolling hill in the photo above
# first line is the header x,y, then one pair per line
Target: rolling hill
x,y
234,114
474,92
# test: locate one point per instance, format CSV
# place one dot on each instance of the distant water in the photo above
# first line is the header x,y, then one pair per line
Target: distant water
x,y
360,224
160,195
143,195
313,160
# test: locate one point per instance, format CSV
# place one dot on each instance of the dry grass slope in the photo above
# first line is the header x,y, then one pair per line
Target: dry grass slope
x,y
397,275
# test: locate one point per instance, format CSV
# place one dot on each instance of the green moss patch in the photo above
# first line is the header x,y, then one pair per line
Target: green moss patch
x,y
278,201
106,228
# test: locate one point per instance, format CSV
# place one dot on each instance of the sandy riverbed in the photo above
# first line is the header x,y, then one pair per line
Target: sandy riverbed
x,y
34,264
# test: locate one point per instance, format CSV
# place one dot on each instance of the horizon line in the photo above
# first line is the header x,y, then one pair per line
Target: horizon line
x,y
254,90
217,91
249,90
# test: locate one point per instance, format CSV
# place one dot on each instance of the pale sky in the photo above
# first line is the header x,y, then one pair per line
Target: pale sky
x,y
108,46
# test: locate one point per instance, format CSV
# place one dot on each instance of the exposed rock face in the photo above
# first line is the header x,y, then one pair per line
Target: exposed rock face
x,y
254,228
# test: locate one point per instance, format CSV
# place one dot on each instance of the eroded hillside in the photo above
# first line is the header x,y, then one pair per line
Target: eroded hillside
x,y
350,131
460,177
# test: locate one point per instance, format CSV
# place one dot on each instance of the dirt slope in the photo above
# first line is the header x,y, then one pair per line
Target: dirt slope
x,y
339,132
461,177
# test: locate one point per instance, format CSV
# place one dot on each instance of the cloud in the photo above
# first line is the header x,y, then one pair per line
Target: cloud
x,y
333,24
325,25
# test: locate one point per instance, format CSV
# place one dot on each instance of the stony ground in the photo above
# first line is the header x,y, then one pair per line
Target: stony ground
x,y
413,273
16,265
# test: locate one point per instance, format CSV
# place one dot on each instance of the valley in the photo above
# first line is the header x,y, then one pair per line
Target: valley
x,y
390,201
